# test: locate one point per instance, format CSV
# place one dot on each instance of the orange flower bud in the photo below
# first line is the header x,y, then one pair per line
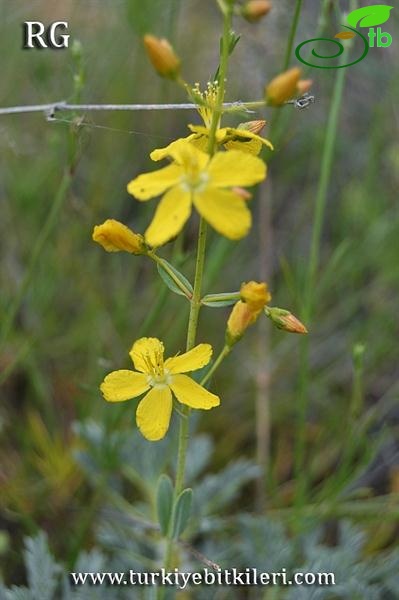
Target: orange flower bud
x,y
241,317
285,320
114,236
162,56
256,295
283,87
304,86
254,10
253,126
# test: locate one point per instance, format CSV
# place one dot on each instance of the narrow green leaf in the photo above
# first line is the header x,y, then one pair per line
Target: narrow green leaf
x,y
164,501
182,512
220,300
174,279
369,16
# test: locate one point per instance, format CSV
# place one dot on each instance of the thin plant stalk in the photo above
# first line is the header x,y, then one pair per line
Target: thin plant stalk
x,y
195,303
262,380
37,250
291,37
310,283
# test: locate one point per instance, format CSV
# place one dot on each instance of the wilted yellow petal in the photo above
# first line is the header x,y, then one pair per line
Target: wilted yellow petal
x,y
114,236
255,294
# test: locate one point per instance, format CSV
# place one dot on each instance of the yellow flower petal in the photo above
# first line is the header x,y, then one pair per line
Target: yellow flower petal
x,y
250,146
188,156
235,139
149,185
228,169
198,129
161,153
147,352
192,360
225,211
153,413
188,392
172,212
123,385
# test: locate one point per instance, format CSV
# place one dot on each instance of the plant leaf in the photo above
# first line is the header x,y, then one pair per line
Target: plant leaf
x,y
345,35
369,16
174,279
220,300
182,512
164,502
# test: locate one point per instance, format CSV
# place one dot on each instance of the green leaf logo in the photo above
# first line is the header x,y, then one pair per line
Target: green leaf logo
x,y
369,16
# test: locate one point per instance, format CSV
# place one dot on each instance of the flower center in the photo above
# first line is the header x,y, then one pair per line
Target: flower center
x,y
160,381
206,101
194,180
158,376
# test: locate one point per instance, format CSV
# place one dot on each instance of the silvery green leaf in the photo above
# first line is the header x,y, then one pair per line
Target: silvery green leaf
x,y
182,511
164,500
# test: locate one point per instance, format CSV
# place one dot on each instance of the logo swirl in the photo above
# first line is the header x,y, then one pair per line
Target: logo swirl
x,y
340,51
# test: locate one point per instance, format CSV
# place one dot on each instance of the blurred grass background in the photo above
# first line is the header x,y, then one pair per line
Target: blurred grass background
x,y
83,307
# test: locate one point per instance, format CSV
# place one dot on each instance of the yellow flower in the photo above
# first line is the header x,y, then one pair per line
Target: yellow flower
x,y
114,236
161,378
255,294
239,138
195,178
162,56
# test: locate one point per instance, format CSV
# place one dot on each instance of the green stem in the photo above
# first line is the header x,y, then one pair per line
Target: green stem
x,y
291,38
196,299
310,283
225,352
224,59
195,304
37,250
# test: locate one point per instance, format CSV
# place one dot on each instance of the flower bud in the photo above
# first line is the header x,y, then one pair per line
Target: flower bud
x,y
114,236
241,317
254,10
253,126
285,320
283,87
162,56
256,295
304,86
